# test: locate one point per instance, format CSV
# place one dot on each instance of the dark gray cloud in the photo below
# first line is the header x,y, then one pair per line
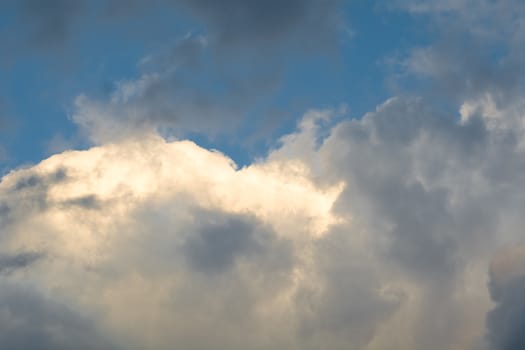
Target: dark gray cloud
x,y
4,209
214,243
34,27
233,22
350,306
36,180
180,90
50,22
31,193
221,239
209,82
31,321
507,320
433,195
422,229
86,202
253,23
479,49
10,263
28,182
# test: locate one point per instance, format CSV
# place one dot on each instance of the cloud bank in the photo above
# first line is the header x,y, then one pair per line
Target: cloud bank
x,y
374,233
398,230
136,235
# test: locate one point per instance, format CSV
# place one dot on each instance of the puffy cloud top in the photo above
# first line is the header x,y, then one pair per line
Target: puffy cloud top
x,y
135,236
151,242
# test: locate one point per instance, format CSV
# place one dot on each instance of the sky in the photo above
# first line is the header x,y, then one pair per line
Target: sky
x,y
248,174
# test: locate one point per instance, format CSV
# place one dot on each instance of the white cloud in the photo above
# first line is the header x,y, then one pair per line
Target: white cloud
x,y
375,233
164,241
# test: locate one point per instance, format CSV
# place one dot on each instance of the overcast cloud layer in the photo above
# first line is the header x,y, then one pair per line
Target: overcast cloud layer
x,y
401,229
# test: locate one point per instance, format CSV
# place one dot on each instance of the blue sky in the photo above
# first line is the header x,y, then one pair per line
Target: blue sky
x,y
41,82
262,174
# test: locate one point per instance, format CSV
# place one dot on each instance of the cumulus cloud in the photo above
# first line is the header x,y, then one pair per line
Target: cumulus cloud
x,y
376,233
433,197
150,228
347,234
